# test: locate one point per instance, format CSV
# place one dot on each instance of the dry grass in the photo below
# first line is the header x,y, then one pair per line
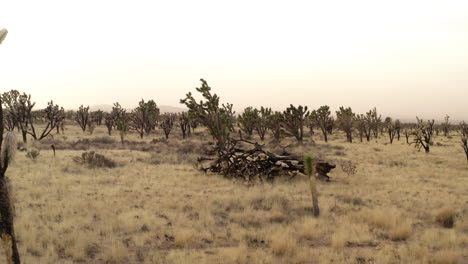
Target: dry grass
x,y
155,207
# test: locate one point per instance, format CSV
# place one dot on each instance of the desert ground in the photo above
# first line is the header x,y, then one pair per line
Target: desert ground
x,y
156,207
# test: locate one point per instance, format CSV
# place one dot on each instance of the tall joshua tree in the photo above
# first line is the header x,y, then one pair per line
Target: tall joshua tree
x,y
216,118
7,148
294,119
423,134
82,117
19,107
167,123
274,124
391,128
261,122
345,119
446,125
246,121
375,121
143,118
321,117
53,115
184,123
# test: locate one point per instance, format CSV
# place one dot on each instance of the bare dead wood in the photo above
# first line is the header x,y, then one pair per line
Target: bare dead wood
x,y
255,162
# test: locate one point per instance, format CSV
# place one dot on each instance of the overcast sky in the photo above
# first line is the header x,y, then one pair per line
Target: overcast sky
x,y
407,58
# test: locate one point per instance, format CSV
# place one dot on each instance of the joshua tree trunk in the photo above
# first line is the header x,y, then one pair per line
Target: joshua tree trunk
x,y
24,134
313,191
7,231
309,171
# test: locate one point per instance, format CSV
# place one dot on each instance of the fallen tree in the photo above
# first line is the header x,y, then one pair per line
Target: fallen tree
x,y
239,158
248,160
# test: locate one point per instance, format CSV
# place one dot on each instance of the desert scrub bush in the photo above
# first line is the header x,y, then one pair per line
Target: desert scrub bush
x,y
400,232
393,224
94,160
33,153
283,244
103,140
349,167
445,217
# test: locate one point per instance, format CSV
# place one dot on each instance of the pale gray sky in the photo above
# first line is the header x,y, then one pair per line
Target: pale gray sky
x,y
407,58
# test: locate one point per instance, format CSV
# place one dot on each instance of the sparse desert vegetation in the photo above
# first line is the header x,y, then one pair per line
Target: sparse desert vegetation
x,y
327,142
102,197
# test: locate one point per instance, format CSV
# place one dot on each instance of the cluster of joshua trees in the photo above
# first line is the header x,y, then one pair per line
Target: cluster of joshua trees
x,y
221,121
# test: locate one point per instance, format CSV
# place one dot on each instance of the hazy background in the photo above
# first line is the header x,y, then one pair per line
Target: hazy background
x,y
406,58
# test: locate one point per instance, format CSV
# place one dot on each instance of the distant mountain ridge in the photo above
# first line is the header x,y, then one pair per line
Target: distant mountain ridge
x,y
162,108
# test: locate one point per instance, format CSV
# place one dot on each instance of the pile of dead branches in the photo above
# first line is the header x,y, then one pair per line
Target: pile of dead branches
x,y
249,160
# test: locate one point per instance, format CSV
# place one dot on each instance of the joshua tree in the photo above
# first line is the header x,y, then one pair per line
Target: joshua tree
x,y
96,117
311,125
143,118
398,129
464,138
118,113
246,121
167,123
53,115
19,108
446,125
82,117
294,119
309,171
262,120
109,122
274,124
374,121
217,119
391,128
231,113
7,148
122,127
345,119
361,125
330,125
321,117
184,123
423,135
9,120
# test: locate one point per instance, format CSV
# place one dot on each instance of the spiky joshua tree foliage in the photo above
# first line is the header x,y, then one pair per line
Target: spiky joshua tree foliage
x,y
143,118
345,118
19,108
262,120
423,134
53,116
216,118
274,124
167,123
321,117
82,117
247,120
392,128
294,119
